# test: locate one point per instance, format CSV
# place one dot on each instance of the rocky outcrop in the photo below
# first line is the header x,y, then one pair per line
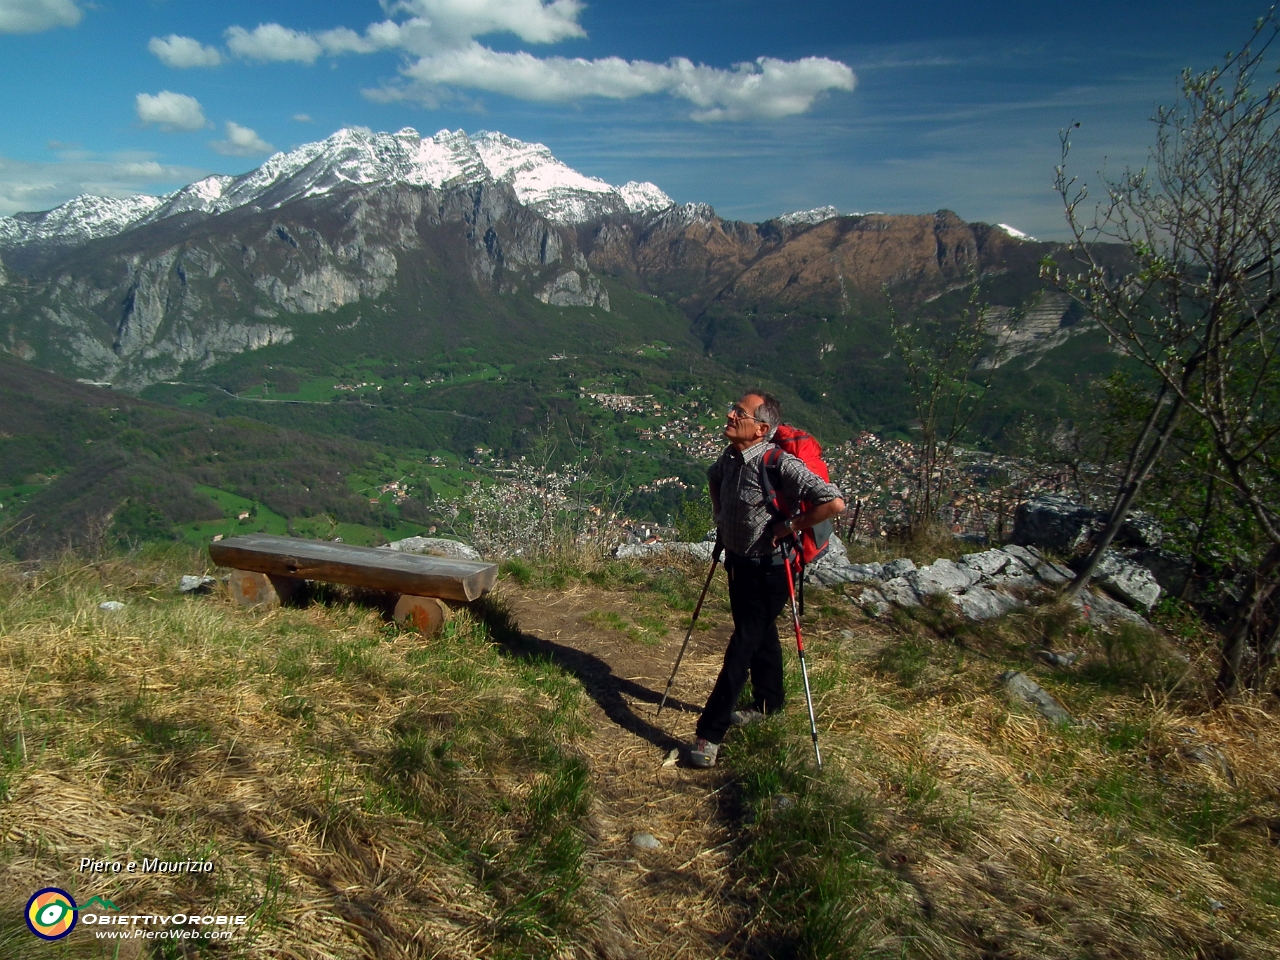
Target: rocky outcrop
x,y
1130,582
570,290
1060,524
985,585
1021,687
1055,523
145,304
1047,321
175,294
982,586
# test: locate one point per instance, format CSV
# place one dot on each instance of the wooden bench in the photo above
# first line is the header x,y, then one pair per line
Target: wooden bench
x,y
268,570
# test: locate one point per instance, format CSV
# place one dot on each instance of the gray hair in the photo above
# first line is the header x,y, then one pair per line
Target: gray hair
x,y
770,410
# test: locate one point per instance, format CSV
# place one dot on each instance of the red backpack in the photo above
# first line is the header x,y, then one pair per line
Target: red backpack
x,y
816,540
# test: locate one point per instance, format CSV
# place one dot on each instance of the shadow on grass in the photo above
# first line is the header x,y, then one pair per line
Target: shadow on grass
x,y
596,676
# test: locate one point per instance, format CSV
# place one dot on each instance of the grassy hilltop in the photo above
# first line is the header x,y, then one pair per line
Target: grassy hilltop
x,y
364,792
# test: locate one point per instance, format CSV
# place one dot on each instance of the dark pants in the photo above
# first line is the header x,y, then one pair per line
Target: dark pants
x,y
757,594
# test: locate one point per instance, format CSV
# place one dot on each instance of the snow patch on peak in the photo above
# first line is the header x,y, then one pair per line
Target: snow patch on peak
x,y
816,215
543,183
1016,233
644,198
201,196
687,214
505,155
353,156
79,220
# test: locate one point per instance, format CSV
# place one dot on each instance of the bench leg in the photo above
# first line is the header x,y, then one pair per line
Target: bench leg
x,y
261,589
428,614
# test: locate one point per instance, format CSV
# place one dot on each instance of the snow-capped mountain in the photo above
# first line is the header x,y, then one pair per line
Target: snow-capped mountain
x,y
816,215
76,221
354,156
1016,233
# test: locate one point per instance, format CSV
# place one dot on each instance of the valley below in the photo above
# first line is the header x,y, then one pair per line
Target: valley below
x,y
378,337
463,315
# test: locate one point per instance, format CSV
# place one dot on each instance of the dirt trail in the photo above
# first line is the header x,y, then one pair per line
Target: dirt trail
x,y
675,901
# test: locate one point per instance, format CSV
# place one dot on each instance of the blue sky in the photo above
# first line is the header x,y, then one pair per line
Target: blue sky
x,y
755,107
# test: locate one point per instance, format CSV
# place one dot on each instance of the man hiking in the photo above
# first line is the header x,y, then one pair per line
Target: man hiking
x,y
754,562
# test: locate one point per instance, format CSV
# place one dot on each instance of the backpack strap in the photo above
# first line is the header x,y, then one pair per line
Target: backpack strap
x,y
769,470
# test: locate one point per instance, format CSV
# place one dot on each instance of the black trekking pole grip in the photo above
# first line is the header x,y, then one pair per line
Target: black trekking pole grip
x,y
715,559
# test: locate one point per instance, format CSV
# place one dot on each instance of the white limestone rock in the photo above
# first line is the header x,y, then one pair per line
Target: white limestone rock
x,y
1024,688
1055,659
989,563
942,576
834,568
1046,571
1134,584
1098,608
873,600
983,603
644,840
900,592
899,567
570,290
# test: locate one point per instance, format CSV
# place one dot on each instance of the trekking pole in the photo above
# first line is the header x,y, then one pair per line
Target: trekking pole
x,y
804,669
715,558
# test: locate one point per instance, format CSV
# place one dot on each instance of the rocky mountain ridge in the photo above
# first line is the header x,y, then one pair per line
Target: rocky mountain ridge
x,y
131,292
350,157
138,307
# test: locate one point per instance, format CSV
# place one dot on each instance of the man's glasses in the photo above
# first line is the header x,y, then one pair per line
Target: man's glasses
x,y
736,412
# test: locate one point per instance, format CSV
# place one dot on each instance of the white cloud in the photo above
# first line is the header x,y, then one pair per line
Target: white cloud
x,y
271,42
240,142
532,78
183,52
32,16
303,118
441,33
171,111
343,40
456,21
41,186
765,89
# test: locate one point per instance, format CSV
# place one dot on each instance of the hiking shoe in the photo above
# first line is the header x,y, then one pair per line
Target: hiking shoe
x,y
703,753
741,718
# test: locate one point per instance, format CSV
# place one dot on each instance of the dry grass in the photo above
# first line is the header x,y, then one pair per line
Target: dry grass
x,y
361,792
368,794
1148,829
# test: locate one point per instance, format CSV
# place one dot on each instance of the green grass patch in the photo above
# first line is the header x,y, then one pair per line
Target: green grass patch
x,y
1135,800
811,841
